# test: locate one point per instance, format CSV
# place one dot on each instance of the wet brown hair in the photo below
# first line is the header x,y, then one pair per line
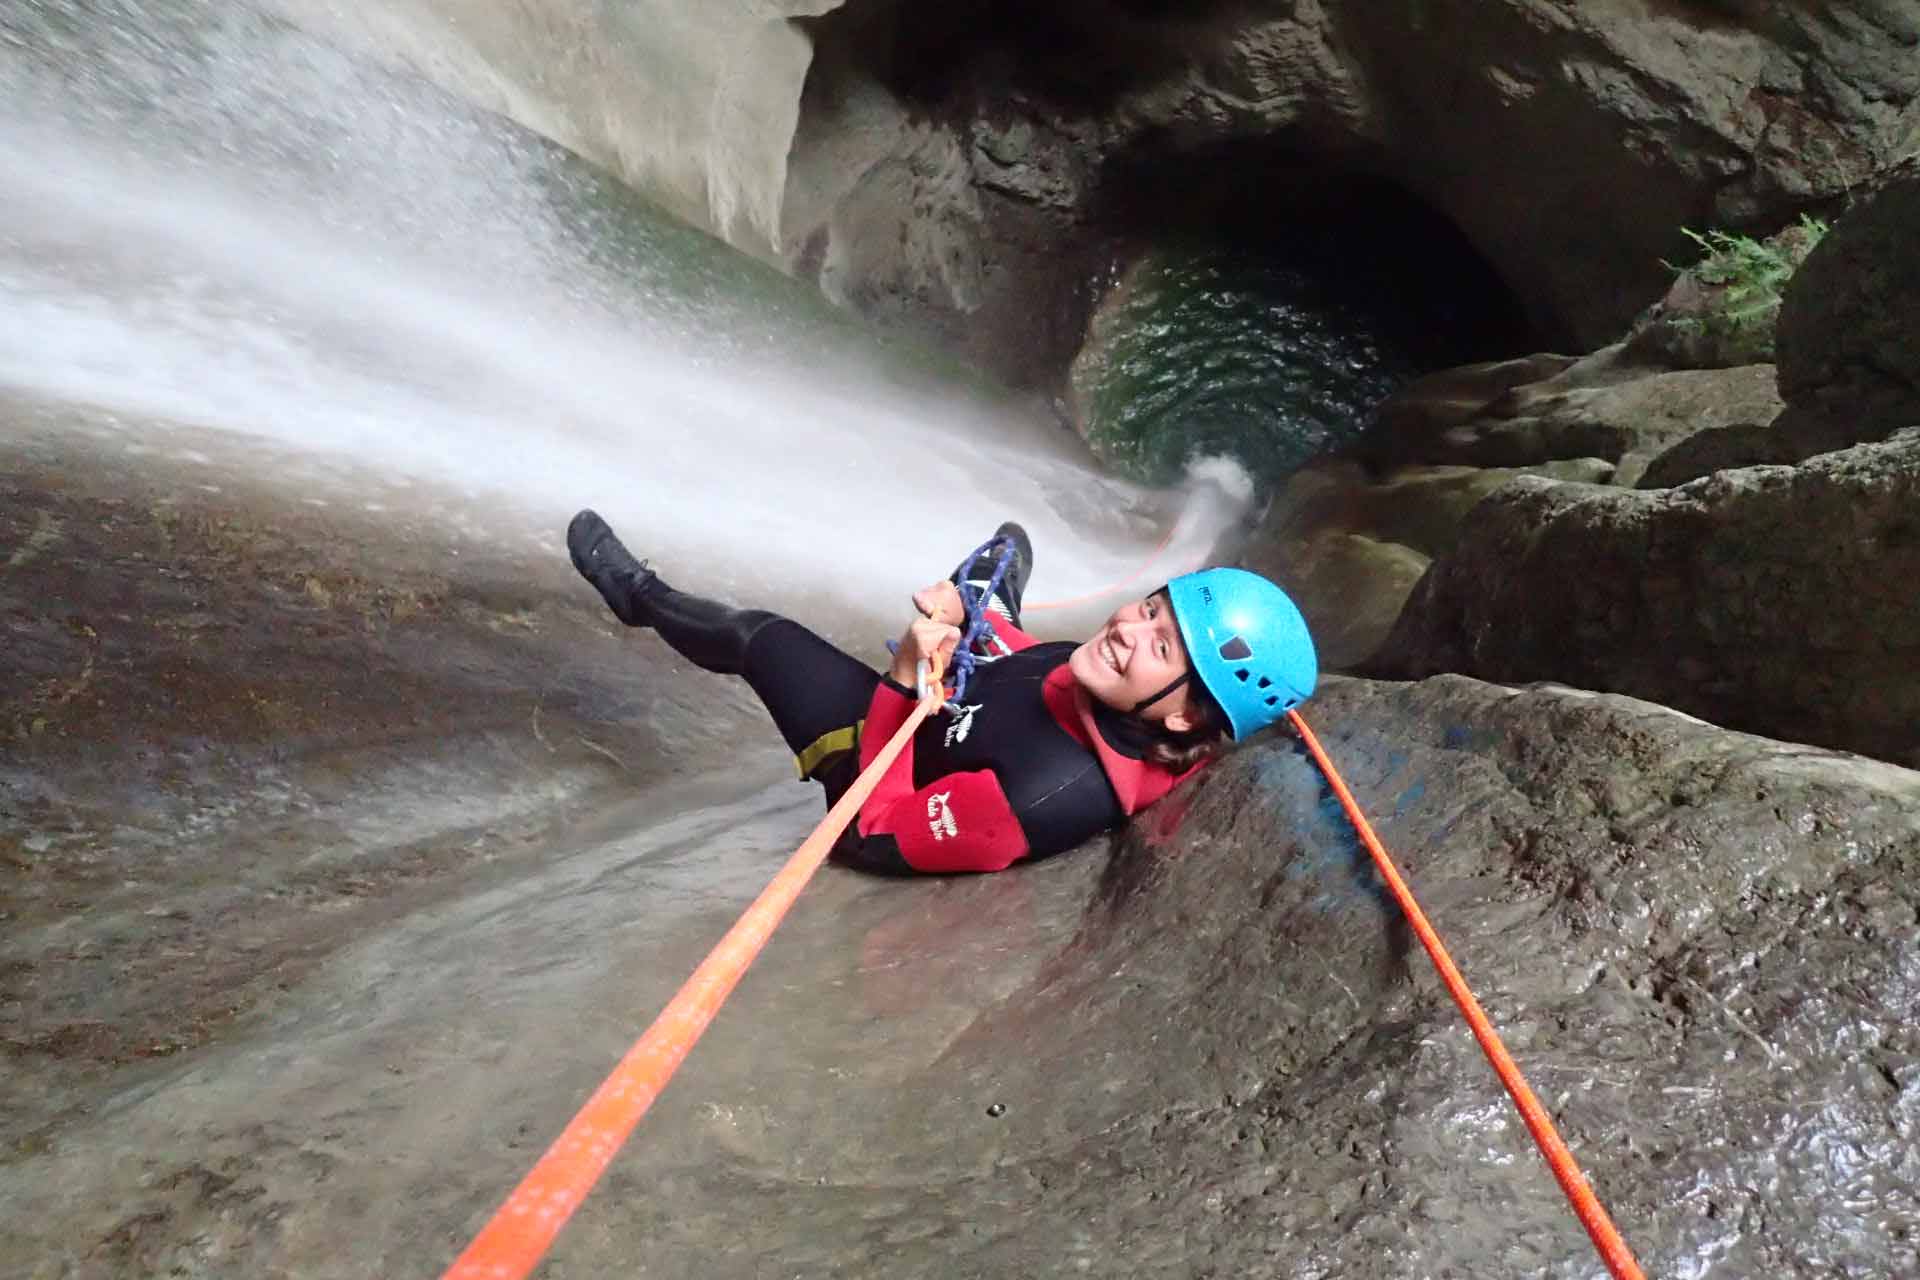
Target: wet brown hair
x,y
1179,752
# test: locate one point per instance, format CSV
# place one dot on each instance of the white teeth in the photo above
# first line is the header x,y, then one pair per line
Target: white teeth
x,y
1106,651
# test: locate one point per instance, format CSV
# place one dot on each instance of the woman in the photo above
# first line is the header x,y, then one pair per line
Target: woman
x,y
1054,743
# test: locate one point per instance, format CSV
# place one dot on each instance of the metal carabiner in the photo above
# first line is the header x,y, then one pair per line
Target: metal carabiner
x,y
927,675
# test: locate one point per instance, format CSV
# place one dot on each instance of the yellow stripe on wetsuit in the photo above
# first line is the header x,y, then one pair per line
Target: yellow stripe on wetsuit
x,y
826,746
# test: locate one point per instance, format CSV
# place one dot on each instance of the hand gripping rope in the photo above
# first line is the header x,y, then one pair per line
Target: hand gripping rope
x,y
974,601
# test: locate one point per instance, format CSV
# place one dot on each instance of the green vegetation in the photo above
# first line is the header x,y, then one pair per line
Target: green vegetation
x,y
1744,277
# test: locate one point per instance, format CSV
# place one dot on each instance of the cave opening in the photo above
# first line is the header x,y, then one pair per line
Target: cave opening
x,y
1348,225
1261,305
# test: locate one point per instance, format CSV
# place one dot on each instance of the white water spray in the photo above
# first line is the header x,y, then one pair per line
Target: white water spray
x,y
222,222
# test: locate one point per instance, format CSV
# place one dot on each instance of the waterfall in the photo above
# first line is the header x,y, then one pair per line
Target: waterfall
x,y
217,218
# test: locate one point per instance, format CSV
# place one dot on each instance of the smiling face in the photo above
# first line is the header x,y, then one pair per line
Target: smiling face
x,y
1134,656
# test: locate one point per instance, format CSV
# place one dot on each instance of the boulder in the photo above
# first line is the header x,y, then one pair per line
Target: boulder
x,y
1438,402
1741,444
1774,599
1601,406
1349,585
1350,546
1849,365
1697,945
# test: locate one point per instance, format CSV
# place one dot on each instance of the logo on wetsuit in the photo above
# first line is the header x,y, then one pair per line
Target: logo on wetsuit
x,y
962,724
940,817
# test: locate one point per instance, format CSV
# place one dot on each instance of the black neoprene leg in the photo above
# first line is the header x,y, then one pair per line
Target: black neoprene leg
x,y
707,633
809,687
815,693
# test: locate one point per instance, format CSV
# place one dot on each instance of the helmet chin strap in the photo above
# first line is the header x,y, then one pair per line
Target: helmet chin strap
x,y
1142,705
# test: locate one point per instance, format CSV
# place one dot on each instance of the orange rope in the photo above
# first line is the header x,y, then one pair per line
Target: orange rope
x,y
522,1229
1113,587
1606,1238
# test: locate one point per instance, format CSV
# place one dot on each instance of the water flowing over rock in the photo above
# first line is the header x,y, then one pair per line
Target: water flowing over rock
x,y
693,105
347,842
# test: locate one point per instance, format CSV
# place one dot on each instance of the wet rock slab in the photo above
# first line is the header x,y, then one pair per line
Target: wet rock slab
x,y
1206,1048
241,728
345,843
1699,945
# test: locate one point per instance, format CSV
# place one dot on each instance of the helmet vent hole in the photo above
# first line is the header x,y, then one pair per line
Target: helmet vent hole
x,y
1241,675
1273,698
1236,650
1265,683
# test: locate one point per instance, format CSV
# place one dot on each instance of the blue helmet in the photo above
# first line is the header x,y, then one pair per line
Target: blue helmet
x,y
1248,645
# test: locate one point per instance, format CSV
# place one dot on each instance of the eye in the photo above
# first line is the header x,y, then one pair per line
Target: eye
x,y
1164,650
1148,607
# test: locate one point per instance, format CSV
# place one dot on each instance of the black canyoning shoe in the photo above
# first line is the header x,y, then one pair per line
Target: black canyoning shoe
x,y
1013,583
603,560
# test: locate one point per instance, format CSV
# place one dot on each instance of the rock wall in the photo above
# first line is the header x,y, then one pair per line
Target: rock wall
x,y
1573,140
1234,1061
694,105
966,170
1694,942
1774,598
945,161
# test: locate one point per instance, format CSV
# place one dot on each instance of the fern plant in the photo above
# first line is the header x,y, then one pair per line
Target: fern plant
x,y
1746,277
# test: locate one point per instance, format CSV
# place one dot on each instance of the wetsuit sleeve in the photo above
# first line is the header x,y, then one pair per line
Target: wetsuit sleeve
x,y
960,822
1012,637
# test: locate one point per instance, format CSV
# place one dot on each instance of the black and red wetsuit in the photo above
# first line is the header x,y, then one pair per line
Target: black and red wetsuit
x,y
1028,766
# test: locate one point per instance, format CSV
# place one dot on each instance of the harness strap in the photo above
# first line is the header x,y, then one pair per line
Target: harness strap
x,y
1179,680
